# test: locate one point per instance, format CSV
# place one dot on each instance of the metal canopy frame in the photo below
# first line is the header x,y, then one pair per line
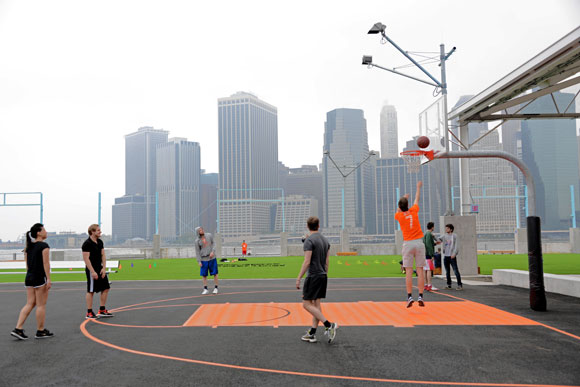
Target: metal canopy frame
x,y
553,69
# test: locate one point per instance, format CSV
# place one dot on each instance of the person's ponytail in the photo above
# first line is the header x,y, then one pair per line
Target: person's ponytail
x,y
33,233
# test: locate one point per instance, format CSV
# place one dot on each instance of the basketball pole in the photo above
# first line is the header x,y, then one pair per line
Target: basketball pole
x,y
440,87
535,261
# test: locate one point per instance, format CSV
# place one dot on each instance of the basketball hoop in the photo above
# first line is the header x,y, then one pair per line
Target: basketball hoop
x,y
413,159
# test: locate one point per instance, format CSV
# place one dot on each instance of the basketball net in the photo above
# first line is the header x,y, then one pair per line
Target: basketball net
x,y
413,159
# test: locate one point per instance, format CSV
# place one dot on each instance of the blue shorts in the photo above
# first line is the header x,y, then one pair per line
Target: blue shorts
x,y
210,266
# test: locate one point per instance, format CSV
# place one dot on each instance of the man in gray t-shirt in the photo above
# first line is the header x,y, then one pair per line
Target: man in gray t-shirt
x,y
316,259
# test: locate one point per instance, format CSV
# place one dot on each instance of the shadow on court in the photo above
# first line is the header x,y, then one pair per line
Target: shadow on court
x,y
166,333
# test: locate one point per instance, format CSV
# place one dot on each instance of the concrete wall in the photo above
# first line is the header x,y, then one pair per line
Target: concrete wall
x,y
575,240
467,240
521,241
56,255
553,283
398,242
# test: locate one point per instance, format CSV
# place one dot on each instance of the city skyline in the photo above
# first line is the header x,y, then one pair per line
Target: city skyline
x,y
63,112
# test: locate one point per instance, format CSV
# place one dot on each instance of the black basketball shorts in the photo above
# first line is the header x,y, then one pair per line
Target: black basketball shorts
x,y
314,287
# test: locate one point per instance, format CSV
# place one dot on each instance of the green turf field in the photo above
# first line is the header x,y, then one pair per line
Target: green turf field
x,y
288,267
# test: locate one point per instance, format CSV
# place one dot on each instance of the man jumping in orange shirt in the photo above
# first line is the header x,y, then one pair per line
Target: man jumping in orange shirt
x,y
413,246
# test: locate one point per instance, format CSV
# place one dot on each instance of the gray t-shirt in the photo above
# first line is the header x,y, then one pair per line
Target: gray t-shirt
x,y
319,246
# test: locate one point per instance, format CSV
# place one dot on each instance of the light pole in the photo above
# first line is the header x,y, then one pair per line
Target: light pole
x,y
440,87
345,175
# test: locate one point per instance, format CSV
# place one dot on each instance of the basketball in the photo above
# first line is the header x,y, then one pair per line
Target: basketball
x,y
423,142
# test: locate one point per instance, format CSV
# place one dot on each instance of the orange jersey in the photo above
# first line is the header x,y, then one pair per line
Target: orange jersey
x,y
409,222
244,246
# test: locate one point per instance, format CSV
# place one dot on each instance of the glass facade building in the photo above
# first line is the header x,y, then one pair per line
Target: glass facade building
x,y
346,139
549,149
178,186
248,165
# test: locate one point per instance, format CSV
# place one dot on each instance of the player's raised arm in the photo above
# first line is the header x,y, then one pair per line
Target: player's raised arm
x,y
418,193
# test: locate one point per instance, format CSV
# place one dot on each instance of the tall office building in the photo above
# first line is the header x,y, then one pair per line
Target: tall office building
x,y
209,187
392,180
346,141
297,209
389,133
549,149
306,180
493,188
511,138
140,182
129,218
178,187
248,165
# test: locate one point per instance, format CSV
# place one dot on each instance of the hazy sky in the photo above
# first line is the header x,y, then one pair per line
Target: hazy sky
x,y
76,76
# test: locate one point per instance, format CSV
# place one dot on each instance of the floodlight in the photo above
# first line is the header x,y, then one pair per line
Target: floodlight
x,y
377,28
367,60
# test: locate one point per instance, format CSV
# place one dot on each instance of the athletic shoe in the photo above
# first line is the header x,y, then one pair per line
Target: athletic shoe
x,y
331,332
215,291
410,302
308,337
433,288
205,291
19,334
105,313
426,287
43,334
448,287
460,287
91,316
420,301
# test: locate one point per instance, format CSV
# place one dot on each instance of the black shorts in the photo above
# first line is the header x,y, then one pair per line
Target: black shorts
x,y
34,281
314,287
97,285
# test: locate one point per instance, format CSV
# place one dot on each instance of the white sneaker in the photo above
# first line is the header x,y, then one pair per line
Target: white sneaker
x,y
205,291
215,291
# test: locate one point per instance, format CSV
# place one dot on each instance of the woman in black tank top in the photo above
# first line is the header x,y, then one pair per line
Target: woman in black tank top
x,y
37,282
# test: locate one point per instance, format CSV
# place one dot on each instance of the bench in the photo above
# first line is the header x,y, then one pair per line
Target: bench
x,y
112,267
502,251
340,253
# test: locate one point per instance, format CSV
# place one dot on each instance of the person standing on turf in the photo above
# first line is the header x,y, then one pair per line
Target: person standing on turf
x,y
316,259
96,270
37,282
244,249
429,241
413,246
205,253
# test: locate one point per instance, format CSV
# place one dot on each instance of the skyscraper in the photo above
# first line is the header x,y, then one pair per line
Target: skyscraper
x,y
392,181
493,178
178,185
306,180
140,183
550,151
346,140
209,187
248,164
389,133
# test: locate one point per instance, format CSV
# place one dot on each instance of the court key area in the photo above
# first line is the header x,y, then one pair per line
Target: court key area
x,y
167,333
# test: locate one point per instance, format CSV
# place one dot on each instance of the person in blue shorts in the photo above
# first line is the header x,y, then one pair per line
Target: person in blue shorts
x,y
205,253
